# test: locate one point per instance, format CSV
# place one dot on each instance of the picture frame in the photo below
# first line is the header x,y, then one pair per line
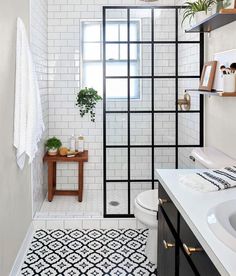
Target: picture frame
x,y
207,76
229,4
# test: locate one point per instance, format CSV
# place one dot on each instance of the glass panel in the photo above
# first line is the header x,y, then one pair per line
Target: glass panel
x,y
116,94
134,90
92,51
195,97
164,129
117,198
140,129
93,76
144,58
112,52
183,159
140,25
164,24
116,129
143,86
189,60
164,60
123,51
141,163
92,31
117,68
183,36
135,189
164,158
164,94
112,31
189,128
116,164
116,25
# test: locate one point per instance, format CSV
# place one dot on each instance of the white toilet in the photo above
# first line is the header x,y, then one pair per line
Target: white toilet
x,y
210,158
145,210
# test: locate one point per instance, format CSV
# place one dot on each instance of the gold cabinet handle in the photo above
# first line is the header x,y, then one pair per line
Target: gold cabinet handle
x,y
162,201
191,250
168,245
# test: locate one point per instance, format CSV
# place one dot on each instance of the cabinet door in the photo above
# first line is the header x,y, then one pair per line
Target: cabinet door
x,y
185,269
168,206
166,248
199,260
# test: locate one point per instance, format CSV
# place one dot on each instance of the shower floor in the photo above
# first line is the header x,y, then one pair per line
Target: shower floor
x,y
91,207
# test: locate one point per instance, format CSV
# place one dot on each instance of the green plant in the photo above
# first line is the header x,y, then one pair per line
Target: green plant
x,y
53,143
191,8
86,100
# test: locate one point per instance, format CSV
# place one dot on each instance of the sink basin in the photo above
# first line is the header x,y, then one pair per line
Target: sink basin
x,y
222,222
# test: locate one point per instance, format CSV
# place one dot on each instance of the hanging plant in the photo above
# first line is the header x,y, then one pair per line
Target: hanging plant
x,y
86,100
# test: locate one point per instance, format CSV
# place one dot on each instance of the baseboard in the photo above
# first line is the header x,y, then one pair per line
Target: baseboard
x,y
22,252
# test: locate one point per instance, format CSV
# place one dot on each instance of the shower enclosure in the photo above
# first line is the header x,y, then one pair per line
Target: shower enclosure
x,y
148,62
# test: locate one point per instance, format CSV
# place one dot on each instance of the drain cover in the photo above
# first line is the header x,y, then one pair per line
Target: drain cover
x,y
114,203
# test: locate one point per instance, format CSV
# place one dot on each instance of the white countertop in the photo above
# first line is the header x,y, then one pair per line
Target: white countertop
x,y
194,207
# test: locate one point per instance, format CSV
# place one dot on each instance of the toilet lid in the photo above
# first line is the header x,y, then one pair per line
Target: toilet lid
x,y
148,200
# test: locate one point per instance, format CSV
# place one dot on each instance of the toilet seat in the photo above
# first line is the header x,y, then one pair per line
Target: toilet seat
x,y
148,200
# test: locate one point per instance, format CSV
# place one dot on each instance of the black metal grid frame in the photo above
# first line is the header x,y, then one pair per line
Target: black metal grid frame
x,y
200,42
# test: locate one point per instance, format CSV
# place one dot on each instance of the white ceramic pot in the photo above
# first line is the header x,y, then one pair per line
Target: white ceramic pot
x,y
200,16
229,83
52,151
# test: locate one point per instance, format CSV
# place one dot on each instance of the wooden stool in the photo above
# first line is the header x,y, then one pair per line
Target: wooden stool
x,y
52,167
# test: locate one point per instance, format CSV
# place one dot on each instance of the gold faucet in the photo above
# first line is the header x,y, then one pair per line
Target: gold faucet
x,y
185,103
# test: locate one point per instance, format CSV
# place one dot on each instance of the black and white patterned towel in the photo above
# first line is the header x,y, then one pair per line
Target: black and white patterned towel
x,y
211,180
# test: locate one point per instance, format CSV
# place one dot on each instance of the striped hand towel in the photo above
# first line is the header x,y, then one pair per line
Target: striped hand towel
x,y
211,180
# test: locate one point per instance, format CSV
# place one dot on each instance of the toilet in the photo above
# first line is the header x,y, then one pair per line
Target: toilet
x,y
210,158
145,210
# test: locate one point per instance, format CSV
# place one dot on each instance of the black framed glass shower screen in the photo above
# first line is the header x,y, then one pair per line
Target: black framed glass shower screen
x,y
148,62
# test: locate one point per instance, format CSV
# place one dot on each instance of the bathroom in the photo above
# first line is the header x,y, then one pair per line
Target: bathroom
x,y
152,126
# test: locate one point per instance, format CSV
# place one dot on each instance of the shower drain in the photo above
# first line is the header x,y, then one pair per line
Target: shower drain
x,y
114,203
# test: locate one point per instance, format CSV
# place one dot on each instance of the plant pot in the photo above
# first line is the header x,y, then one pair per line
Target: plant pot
x,y
200,16
52,151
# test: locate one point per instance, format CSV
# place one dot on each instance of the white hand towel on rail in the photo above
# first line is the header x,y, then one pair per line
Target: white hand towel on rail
x,y
211,180
28,118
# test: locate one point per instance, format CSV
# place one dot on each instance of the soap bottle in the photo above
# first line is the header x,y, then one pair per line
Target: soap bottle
x,y
81,143
72,143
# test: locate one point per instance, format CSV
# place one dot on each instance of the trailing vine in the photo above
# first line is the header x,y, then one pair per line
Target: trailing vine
x,y
86,100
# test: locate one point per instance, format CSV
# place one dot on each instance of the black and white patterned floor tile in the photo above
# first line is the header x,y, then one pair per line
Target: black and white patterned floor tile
x,y
88,253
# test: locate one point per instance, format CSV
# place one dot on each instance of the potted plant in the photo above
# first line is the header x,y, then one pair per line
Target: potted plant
x,y
197,9
86,100
52,145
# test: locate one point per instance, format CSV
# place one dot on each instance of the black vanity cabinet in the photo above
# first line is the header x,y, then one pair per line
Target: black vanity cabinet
x,y
179,251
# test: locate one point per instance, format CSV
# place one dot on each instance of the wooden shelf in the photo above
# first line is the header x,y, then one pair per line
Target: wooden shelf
x,y
213,93
215,21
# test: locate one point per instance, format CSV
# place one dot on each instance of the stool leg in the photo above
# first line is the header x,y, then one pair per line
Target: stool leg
x,y
81,181
54,176
50,181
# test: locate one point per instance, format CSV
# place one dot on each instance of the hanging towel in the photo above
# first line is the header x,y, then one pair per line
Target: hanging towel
x,y
211,180
28,118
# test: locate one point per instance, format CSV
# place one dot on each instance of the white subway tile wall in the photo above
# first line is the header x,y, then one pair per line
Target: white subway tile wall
x,y
64,53
39,45
63,43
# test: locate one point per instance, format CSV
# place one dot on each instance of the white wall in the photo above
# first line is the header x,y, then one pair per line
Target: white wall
x,y
39,47
220,113
15,192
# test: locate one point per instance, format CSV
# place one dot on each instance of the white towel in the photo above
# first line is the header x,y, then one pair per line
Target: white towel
x,y
28,121
211,180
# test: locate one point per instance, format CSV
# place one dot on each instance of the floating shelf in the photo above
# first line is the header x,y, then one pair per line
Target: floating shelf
x,y
213,93
215,21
